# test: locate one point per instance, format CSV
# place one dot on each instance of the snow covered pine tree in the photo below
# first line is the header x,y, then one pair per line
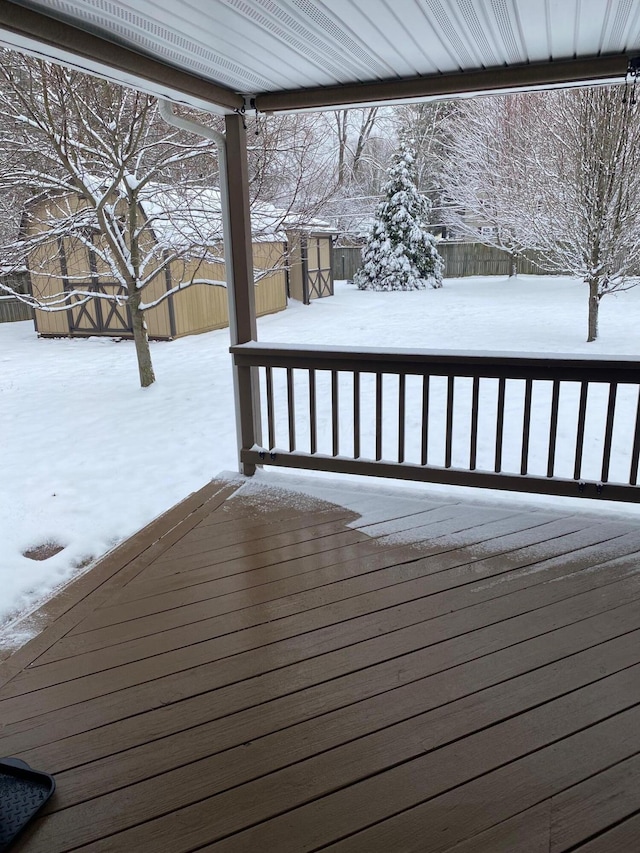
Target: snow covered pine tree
x,y
400,254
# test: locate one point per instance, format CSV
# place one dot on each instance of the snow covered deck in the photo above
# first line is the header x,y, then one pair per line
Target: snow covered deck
x,y
264,671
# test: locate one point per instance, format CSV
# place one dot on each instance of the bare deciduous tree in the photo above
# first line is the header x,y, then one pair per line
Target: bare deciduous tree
x,y
96,150
555,172
485,168
584,191
361,143
353,130
425,127
113,172
289,163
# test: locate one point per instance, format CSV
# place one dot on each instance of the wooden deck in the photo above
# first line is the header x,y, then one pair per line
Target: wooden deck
x,y
259,671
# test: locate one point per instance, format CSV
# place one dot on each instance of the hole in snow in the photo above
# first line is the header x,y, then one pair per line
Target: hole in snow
x,y
43,551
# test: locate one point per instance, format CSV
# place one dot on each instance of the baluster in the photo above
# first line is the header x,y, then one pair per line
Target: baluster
x,y
271,422
425,419
335,413
500,424
635,452
449,435
378,417
356,415
475,402
313,414
582,416
526,427
553,427
608,433
292,413
401,415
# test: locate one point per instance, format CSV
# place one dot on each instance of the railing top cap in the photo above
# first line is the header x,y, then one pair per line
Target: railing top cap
x,y
329,353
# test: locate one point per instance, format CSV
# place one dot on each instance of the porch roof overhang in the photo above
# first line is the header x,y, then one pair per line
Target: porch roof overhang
x,y
281,55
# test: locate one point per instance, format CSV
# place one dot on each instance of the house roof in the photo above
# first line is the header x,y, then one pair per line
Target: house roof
x,y
310,54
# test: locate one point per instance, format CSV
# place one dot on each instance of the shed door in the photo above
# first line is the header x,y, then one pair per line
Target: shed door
x,y
99,316
319,273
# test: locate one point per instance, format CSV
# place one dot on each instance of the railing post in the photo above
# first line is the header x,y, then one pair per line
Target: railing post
x,y
240,284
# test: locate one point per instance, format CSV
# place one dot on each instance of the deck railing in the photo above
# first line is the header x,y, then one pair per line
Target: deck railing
x,y
532,423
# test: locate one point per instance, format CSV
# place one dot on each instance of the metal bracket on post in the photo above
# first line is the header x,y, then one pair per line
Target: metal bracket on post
x,y
633,70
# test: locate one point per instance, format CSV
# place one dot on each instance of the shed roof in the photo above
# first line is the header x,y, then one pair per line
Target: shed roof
x,y
192,213
188,215
309,54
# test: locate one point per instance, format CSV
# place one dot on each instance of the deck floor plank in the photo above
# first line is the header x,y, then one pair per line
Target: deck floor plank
x,y
311,552
439,591
527,832
624,837
180,556
487,777
452,541
187,607
466,631
403,708
247,652
333,768
305,806
568,763
193,719
231,532
338,582
600,801
280,674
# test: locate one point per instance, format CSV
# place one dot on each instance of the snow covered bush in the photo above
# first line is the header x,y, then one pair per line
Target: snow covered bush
x,y
400,254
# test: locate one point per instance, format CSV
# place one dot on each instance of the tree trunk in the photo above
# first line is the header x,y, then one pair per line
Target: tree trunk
x,y
140,338
514,265
341,121
366,126
594,304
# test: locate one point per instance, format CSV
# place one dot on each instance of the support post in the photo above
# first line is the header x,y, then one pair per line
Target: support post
x,y
236,227
240,287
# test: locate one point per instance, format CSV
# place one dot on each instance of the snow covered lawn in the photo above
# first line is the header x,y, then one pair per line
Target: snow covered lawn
x,y
87,457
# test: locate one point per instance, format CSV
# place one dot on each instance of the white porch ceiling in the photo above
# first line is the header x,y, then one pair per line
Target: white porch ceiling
x,y
291,54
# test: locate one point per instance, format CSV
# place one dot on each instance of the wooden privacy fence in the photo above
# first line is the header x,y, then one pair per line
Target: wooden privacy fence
x,y
460,259
464,259
521,423
12,310
346,261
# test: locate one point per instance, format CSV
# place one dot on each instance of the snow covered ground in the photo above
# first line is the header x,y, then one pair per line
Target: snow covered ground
x,y
87,457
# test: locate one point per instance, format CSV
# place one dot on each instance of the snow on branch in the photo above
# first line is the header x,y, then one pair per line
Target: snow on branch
x,y
64,300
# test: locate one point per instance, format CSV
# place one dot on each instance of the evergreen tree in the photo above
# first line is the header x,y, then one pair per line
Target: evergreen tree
x,y
400,254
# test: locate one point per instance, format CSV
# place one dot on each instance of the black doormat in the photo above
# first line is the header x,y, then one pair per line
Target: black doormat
x,y
23,792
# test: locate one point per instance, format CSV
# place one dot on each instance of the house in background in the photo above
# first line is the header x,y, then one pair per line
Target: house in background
x,y
291,257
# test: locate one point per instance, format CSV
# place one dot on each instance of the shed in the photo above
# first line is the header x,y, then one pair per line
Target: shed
x,y
71,264
310,260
